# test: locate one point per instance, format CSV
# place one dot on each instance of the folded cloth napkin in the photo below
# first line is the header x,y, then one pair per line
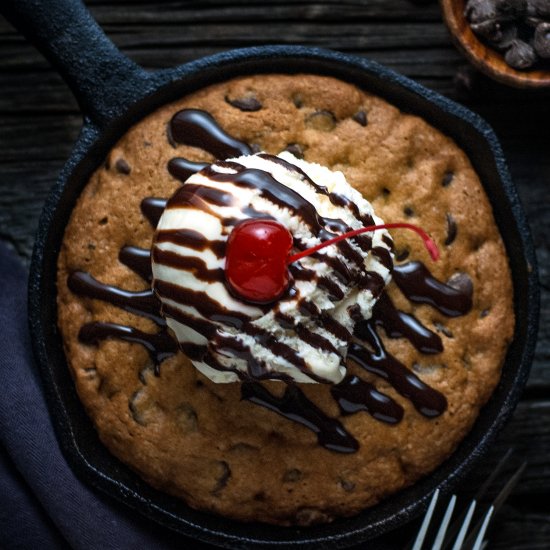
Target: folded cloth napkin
x,y
42,504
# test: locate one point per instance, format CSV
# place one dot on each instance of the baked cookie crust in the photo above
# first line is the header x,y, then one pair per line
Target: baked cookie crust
x,y
198,440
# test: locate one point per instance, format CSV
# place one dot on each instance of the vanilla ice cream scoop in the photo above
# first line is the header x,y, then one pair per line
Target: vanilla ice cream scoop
x,y
302,336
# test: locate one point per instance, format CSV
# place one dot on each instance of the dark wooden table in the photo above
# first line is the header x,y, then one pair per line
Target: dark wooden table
x,y
39,121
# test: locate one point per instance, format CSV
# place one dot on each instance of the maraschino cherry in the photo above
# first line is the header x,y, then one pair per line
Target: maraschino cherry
x,y
257,256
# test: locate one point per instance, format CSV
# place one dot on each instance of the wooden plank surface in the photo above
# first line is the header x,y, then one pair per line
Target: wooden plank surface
x,y
40,120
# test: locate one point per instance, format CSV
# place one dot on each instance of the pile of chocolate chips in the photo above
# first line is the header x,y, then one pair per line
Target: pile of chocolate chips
x,y
518,28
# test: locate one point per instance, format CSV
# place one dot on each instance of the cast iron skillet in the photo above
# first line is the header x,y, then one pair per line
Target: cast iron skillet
x,y
113,93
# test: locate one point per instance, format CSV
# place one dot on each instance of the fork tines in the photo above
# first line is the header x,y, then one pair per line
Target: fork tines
x,y
456,533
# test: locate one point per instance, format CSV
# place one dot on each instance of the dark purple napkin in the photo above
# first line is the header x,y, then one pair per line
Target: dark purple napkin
x,y
42,504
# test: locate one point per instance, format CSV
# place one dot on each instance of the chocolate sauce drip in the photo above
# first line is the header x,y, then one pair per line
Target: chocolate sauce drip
x,y
354,395
341,270
383,256
363,241
418,285
138,260
389,241
160,345
308,308
343,201
287,198
152,208
199,129
201,301
191,239
304,274
202,326
370,280
256,368
295,406
398,324
195,352
274,191
143,302
426,400
280,349
309,337
194,195
182,168
191,264
336,328
336,225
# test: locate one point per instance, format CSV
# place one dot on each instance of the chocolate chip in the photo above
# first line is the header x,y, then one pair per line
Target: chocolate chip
x,y
477,11
499,35
462,282
122,167
295,149
541,42
259,497
483,313
103,221
520,55
186,418
291,476
360,117
324,121
511,8
247,103
386,192
443,329
402,254
346,485
298,100
408,211
222,477
447,178
451,230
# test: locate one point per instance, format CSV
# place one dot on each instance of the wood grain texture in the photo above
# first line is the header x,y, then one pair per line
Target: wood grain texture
x,y
40,120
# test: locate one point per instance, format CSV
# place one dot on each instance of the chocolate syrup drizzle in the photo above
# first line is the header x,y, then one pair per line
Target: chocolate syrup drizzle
x,y
198,128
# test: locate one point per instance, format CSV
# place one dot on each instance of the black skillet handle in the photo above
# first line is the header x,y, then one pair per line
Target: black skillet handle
x,y
104,81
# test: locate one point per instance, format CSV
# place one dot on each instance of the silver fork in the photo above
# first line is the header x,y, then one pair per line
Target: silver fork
x,y
457,531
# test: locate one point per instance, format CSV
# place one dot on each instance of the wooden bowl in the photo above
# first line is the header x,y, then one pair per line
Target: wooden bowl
x,y
486,59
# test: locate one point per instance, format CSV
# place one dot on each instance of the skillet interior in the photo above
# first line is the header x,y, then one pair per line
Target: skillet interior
x,y
75,432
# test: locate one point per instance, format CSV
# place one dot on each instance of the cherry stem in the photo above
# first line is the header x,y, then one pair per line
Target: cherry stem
x,y
428,242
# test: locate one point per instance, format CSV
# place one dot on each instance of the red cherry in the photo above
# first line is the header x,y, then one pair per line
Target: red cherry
x,y
257,256
256,260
